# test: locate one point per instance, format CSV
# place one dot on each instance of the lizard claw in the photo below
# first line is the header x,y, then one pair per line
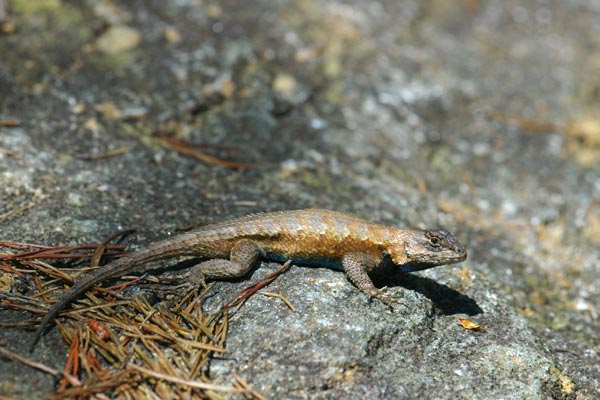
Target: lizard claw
x,y
386,297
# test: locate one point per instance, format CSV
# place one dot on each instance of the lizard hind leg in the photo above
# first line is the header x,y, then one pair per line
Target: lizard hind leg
x,y
243,256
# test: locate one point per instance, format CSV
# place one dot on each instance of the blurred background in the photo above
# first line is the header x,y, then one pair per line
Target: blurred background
x,y
479,117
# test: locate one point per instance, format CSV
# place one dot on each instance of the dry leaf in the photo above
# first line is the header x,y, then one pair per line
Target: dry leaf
x,y
467,323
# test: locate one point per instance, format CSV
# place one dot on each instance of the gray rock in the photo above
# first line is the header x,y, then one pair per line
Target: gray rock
x,y
478,117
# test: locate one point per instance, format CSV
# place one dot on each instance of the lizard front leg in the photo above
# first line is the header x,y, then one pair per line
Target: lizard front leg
x,y
356,266
243,256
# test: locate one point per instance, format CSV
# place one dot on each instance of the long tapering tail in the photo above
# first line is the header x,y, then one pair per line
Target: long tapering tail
x,y
154,252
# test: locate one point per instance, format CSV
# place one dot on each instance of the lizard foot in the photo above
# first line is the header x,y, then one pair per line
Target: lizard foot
x,y
197,279
387,297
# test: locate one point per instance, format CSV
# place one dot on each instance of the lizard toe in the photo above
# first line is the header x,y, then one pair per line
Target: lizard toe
x,y
388,297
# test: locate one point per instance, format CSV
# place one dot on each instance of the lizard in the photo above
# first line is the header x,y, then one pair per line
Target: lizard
x,y
229,249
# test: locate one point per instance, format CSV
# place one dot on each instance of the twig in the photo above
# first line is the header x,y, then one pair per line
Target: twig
x,y
10,153
15,211
72,365
186,143
111,304
108,154
52,256
246,386
61,252
21,245
194,384
13,356
245,294
525,123
9,122
282,297
104,244
187,150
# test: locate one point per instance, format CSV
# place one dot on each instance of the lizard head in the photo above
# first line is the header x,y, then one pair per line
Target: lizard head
x,y
430,248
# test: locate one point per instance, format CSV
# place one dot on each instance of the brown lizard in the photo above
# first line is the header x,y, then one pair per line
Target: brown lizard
x,y
311,236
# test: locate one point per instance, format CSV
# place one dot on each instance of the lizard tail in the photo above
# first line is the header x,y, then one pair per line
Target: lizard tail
x,y
157,251
75,290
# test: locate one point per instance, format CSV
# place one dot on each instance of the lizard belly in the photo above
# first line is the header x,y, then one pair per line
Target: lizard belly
x,y
317,250
327,262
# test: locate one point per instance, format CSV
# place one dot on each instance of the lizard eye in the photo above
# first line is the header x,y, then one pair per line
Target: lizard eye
x,y
435,241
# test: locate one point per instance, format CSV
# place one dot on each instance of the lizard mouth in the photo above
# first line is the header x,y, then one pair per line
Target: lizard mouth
x,y
419,265
462,254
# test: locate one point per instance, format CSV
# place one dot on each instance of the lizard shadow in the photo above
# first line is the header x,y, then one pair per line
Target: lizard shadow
x,y
446,300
